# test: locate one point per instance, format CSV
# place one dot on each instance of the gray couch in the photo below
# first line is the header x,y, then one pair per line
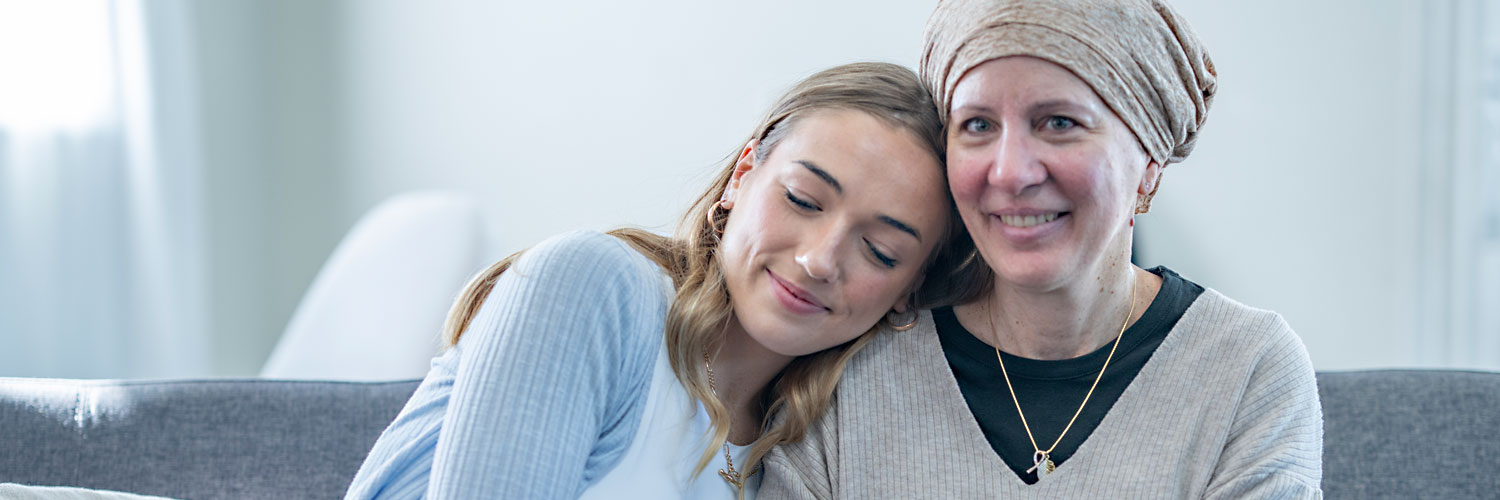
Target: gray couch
x,y
1388,434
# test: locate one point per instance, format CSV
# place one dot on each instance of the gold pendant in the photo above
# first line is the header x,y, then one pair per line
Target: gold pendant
x,y
733,478
1041,464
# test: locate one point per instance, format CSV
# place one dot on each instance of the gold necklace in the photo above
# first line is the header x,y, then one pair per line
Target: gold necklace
x,y
730,475
1041,461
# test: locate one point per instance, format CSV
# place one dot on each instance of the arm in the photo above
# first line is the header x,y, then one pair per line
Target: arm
x,y
554,366
1275,445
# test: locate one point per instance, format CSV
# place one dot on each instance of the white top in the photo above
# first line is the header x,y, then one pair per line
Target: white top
x,y
672,436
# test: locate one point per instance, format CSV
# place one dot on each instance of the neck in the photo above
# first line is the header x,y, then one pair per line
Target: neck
x,y
742,369
1063,323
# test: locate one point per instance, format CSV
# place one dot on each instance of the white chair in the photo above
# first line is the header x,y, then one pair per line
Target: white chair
x,y
376,309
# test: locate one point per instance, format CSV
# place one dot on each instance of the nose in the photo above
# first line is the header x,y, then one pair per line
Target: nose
x,y
1016,165
819,256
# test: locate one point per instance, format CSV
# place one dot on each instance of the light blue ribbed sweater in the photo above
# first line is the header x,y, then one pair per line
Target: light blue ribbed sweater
x,y
544,391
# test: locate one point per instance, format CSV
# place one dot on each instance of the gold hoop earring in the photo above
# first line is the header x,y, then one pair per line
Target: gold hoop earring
x,y
899,322
713,212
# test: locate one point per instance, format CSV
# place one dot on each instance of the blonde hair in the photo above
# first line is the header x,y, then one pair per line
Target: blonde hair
x,y
701,308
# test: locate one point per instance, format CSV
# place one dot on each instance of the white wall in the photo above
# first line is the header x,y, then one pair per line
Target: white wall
x,y
1301,197
582,114
601,113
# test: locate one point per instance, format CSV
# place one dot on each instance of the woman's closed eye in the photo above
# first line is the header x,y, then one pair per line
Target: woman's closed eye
x,y
881,257
802,203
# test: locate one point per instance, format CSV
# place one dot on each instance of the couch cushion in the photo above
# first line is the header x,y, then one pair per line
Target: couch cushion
x,y
1410,434
193,439
1387,434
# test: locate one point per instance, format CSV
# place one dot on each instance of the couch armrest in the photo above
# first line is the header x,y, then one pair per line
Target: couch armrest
x,y
1410,434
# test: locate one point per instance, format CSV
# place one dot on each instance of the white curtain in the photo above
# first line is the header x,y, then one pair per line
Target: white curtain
x,y
1458,299
1488,276
101,237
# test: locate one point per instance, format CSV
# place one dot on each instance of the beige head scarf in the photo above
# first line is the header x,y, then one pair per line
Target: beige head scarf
x,y
1139,56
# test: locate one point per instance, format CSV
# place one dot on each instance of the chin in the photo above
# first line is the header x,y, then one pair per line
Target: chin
x,y
790,341
1032,274
781,344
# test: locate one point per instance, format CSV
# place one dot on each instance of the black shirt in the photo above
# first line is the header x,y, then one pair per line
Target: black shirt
x,y
1050,391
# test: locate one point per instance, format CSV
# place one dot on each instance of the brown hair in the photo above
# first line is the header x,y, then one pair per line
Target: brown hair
x,y
701,308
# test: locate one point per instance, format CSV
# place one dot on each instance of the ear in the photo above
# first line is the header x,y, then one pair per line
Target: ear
x,y
1150,179
742,166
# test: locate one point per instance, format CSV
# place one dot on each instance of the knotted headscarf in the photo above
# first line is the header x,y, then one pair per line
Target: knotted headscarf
x,y
1139,56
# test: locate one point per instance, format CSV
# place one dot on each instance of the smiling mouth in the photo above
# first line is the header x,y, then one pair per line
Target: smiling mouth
x,y
805,299
1030,220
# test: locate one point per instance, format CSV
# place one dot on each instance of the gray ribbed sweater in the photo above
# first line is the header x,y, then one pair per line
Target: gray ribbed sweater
x,y
1227,407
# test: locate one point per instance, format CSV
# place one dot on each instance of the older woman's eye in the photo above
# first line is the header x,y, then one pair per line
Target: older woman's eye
x,y
1060,123
977,125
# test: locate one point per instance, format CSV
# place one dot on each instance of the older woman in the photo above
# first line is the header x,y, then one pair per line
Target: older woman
x,y
1070,372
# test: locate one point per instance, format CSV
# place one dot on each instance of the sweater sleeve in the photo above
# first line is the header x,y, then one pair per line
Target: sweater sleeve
x,y
803,470
1275,445
555,368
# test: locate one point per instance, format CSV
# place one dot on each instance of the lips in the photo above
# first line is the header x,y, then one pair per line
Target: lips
x,y
794,297
1028,226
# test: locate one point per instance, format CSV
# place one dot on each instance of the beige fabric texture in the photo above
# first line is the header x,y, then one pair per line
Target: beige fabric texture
x,y
1139,56
1226,409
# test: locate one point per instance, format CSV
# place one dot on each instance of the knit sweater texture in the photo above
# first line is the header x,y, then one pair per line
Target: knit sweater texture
x,y
559,389
1226,408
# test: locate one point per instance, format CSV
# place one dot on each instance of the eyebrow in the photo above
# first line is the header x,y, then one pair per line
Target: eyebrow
x,y
1055,105
902,226
822,174
978,109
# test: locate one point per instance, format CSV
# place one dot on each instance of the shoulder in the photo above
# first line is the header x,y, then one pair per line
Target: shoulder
x,y
588,253
592,269
1251,349
1274,435
897,362
583,286
1229,324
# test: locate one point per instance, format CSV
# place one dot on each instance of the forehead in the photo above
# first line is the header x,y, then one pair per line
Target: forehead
x,y
859,145
1024,79
877,164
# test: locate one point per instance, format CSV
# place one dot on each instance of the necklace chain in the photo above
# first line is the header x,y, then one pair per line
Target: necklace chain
x,y
730,475
1042,459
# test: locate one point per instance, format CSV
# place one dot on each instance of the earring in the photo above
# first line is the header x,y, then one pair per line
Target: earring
x,y
713,212
899,321
1142,203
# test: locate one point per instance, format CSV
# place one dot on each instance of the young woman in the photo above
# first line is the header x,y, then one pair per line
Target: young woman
x,y
632,365
1074,374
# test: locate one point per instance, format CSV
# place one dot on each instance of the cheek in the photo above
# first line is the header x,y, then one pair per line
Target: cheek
x,y
1119,174
1087,177
738,244
876,293
967,176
